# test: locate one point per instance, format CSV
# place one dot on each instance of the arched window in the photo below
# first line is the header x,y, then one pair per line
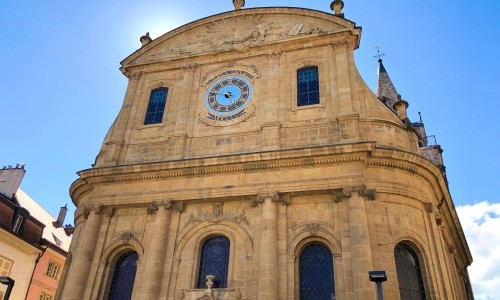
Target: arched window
x,y
316,273
307,86
156,106
123,277
214,261
411,285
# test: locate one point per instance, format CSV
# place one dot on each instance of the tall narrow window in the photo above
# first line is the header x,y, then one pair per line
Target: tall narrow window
x,y
156,106
122,284
52,269
307,86
316,273
411,285
214,261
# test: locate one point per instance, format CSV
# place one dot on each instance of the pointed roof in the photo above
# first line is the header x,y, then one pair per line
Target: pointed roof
x,y
385,88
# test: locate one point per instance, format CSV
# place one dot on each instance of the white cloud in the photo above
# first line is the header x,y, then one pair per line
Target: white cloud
x,y
481,224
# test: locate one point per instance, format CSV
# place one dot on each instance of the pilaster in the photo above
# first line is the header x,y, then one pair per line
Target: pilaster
x,y
268,262
76,283
157,242
359,238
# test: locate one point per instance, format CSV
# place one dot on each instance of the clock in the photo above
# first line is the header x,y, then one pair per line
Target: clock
x,y
228,96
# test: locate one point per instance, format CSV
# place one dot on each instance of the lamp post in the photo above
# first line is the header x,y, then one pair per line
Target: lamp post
x,y
378,277
10,284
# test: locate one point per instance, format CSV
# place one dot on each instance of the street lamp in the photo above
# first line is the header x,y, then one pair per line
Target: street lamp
x,y
10,284
378,277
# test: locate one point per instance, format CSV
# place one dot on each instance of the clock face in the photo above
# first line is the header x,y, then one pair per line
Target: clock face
x,y
229,95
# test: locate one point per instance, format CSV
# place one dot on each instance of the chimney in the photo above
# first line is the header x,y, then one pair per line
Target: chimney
x,y
62,215
10,179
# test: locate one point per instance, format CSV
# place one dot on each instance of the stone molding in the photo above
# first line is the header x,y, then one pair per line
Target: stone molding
x,y
344,193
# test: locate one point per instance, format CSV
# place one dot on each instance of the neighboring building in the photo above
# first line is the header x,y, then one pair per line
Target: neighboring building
x,y
20,234
250,157
47,273
32,250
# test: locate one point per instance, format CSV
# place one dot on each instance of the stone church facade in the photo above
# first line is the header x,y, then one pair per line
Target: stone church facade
x,y
250,161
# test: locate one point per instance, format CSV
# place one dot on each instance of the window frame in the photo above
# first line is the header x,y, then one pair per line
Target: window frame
x,y
148,103
52,269
298,89
112,269
299,269
201,261
323,81
417,254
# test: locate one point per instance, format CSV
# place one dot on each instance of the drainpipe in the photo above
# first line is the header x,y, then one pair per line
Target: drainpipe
x,y
43,246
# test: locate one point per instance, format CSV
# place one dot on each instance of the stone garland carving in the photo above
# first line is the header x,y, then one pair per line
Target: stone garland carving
x,y
217,215
342,194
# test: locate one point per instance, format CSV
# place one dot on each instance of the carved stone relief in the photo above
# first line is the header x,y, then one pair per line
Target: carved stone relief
x,y
239,33
217,215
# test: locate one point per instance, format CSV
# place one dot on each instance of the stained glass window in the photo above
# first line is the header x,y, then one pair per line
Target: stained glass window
x,y
214,261
411,285
307,86
124,277
316,273
156,106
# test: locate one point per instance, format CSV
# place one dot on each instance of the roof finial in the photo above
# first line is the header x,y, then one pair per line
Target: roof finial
x,y
420,116
238,4
337,7
379,54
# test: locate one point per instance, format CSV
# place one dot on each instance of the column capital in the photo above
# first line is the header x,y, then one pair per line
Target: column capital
x,y
344,193
259,198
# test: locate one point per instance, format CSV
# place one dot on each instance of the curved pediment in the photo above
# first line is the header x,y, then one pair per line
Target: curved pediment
x,y
239,31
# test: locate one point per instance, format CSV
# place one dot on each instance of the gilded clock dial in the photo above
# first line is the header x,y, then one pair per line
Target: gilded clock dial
x,y
228,95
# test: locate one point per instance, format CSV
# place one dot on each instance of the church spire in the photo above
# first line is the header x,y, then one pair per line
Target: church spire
x,y
386,91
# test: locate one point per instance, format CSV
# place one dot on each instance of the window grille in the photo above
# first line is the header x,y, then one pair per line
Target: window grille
x,y
156,106
411,285
316,273
122,284
214,261
307,86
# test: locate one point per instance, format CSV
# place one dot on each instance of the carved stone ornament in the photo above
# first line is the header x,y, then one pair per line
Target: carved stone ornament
x,y
238,4
368,194
337,6
238,295
283,199
109,211
340,194
127,237
152,208
254,201
312,228
217,215
181,295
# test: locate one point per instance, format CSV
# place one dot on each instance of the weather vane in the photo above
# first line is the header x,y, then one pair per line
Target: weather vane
x,y
379,54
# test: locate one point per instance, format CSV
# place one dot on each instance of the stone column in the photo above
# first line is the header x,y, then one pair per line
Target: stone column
x,y
361,255
84,252
268,262
158,235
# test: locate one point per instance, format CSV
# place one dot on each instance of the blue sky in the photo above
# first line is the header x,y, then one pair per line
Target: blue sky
x,y
60,87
